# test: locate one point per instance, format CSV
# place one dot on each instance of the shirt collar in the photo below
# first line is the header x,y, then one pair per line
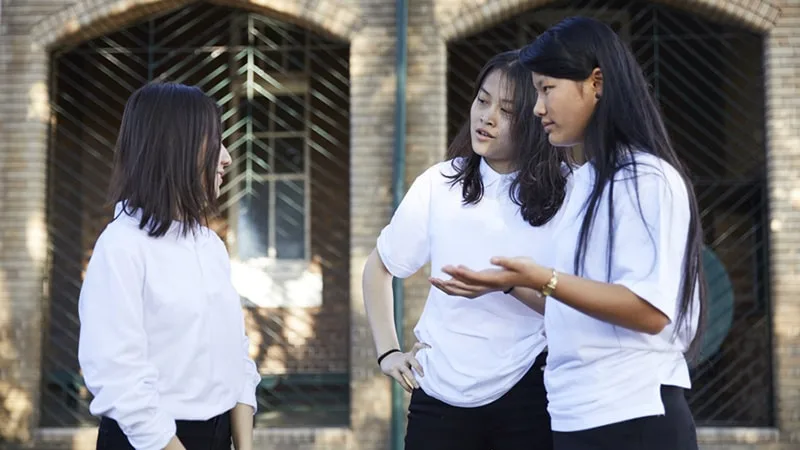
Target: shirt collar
x,y
121,209
489,175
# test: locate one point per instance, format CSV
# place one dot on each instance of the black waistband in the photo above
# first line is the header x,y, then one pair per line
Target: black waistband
x,y
541,360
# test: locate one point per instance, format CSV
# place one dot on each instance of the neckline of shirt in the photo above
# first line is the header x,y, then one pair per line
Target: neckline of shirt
x,y
121,209
489,175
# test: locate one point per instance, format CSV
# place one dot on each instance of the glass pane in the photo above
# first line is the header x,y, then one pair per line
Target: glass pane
x,y
258,157
289,113
269,34
253,227
257,111
295,36
295,60
289,155
290,214
269,61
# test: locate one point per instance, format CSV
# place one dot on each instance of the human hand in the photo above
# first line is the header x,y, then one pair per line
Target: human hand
x,y
398,366
462,289
519,271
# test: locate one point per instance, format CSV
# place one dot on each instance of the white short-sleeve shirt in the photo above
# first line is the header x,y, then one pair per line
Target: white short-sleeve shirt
x,y
598,373
480,347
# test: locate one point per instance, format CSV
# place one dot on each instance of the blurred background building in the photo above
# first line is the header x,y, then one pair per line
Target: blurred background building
x,y
309,89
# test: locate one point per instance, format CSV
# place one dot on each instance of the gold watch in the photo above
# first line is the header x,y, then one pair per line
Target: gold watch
x,y
551,285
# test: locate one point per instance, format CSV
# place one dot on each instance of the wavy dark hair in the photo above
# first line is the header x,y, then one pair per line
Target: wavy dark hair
x,y
166,157
539,187
626,119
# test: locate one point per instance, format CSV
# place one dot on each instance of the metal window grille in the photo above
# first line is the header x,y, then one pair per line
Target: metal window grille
x,y
708,79
284,91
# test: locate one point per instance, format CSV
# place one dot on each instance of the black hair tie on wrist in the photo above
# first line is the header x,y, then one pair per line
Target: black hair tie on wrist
x,y
380,358
508,291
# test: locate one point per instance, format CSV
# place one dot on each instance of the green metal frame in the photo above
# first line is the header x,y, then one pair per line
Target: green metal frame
x,y
398,191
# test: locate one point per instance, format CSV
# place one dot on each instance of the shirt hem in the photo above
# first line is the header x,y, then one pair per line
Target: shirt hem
x,y
483,401
602,418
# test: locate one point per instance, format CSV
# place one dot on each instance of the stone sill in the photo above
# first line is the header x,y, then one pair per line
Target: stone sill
x,y
738,435
705,435
85,438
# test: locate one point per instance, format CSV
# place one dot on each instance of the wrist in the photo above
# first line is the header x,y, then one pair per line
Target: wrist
x,y
387,353
550,285
540,277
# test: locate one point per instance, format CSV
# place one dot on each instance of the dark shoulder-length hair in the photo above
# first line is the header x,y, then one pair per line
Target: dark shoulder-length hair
x,y
626,119
539,186
166,156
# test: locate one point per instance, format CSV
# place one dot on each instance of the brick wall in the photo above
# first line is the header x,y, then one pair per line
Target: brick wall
x,y
783,135
29,27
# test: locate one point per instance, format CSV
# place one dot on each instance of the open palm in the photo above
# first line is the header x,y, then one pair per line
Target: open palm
x,y
511,272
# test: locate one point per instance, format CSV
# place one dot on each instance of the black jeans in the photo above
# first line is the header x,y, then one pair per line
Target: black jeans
x,y
212,434
675,430
516,421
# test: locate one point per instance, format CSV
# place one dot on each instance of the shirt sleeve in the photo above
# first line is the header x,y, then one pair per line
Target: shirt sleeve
x,y
112,349
404,244
251,377
650,245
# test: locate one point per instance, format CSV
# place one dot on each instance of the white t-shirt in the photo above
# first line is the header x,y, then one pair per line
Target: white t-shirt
x,y
480,347
597,373
162,331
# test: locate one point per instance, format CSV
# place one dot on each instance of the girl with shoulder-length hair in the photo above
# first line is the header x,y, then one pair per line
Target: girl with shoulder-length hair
x,y
476,372
626,290
162,342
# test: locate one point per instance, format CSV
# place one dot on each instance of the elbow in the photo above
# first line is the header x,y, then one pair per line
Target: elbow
x,y
656,324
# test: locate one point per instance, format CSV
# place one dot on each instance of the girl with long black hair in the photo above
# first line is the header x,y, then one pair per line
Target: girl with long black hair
x,y
626,288
476,372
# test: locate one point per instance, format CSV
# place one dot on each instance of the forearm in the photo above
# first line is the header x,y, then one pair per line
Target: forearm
x,y
125,391
175,444
530,298
610,303
242,426
379,304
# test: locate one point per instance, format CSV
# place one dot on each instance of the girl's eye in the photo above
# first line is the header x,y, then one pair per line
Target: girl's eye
x,y
546,88
506,111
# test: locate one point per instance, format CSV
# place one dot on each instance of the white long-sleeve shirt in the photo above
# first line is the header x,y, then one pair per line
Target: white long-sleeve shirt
x,y
162,332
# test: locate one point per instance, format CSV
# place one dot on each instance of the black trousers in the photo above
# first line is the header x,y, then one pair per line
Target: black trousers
x,y
516,421
212,434
675,430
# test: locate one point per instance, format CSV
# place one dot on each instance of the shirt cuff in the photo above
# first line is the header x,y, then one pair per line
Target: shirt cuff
x,y
652,294
161,430
248,394
396,270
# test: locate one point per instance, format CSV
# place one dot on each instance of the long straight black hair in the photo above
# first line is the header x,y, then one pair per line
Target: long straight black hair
x,y
539,187
626,119
166,157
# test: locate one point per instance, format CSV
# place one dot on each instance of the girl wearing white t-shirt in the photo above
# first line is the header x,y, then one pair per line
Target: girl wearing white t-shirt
x,y
626,286
476,374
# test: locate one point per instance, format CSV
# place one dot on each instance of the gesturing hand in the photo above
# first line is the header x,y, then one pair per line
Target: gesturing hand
x,y
461,288
398,366
518,271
